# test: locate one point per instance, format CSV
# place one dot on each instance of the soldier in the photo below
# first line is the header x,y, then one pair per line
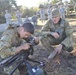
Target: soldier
x,y
34,19
49,13
42,15
27,20
19,18
57,32
62,11
8,17
11,43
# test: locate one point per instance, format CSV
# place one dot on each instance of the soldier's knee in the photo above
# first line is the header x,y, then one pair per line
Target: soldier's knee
x,y
70,49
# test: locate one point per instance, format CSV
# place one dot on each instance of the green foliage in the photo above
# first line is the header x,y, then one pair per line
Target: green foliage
x,y
72,1
13,2
2,19
41,6
55,1
71,9
44,5
29,12
5,5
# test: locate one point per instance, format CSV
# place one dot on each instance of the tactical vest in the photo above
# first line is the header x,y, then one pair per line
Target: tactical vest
x,y
61,30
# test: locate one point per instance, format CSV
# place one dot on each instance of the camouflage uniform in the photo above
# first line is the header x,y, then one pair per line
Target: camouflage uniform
x,y
42,15
8,43
62,12
64,31
8,18
19,18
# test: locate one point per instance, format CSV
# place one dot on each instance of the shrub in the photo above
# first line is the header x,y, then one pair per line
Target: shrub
x,y
2,19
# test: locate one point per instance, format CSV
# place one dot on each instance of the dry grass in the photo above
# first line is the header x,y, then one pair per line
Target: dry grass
x,y
72,22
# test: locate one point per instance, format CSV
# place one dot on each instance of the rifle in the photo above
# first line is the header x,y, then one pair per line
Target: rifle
x,y
22,56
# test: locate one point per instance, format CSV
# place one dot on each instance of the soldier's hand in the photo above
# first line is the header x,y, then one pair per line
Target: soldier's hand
x,y
59,48
22,47
25,46
36,40
54,34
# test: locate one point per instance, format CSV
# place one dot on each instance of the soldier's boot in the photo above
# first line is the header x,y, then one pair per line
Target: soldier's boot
x,y
22,70
52,55
66,52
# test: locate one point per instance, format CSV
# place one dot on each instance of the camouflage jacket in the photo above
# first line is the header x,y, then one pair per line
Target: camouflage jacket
x,y
8,43
63,29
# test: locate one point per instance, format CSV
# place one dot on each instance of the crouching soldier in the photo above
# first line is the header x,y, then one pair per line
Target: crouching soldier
x,y
11,44
57,32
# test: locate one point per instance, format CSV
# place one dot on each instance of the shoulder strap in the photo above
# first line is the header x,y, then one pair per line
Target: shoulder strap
x,y
62,23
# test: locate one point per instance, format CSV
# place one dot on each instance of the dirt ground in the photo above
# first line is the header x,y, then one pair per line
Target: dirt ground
x,y
62,64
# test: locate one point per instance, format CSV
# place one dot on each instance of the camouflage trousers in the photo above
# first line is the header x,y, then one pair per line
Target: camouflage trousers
x,y
49,42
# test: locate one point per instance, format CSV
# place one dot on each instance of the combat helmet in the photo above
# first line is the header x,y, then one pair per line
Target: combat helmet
x,y
55,12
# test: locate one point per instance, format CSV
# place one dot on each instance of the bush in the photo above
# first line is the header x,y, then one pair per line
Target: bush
x,y
2,19
29,12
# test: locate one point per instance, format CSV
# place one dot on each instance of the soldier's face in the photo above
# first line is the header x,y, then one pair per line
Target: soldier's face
x,y
24,34
55,19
